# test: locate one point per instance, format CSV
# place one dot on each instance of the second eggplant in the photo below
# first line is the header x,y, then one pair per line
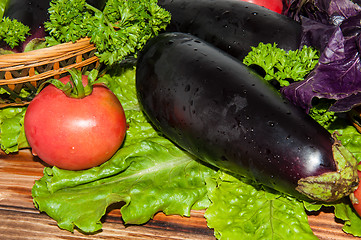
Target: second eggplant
x,y
225,114
232,25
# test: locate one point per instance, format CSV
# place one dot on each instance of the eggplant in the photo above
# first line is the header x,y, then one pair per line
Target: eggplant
x,y
32,13
216,108
232,25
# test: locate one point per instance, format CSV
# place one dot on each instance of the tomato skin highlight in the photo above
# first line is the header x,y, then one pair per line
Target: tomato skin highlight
x,y
357,195
274,5
75,134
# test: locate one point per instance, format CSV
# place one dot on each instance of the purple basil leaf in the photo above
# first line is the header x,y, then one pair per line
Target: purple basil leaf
x,y
316,34
351,26
312,9
344,8
323,11
338,73
346,104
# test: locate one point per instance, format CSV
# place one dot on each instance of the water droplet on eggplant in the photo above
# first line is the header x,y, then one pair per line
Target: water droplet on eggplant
x,y
187,88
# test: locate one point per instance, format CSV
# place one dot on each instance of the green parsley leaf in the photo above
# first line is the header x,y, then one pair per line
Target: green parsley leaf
x,y
119,31
320,113
281,65
13,32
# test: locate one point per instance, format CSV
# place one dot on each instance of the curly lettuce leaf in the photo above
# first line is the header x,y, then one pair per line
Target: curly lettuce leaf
x,y
12,135
348,135
122,83
244,211
343,211
352,221
148,174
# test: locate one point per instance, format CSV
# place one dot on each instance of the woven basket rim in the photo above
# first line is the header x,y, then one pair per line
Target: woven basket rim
x,y
29,70
45,55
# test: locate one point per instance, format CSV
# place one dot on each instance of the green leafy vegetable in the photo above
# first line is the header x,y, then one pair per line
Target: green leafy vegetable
x,y
281,65
13,32
12,136
246,211
3,4
348,135
119,31
345,212
320,113
149,174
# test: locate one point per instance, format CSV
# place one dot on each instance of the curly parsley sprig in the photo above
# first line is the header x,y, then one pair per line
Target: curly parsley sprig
x,y
119,31
281,65
13,32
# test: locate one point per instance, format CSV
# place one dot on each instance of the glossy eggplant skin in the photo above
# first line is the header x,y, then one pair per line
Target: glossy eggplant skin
x,y
232,25
32,13
216,108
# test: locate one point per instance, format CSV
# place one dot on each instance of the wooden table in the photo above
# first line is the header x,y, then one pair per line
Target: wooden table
x,y
20,220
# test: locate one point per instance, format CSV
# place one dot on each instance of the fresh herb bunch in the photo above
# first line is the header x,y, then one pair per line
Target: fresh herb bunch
x,y
13,32
281,65
119,31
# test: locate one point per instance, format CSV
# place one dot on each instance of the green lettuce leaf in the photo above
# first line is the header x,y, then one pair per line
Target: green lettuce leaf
x,y
148,174
12,136
345,212
240,210
348,135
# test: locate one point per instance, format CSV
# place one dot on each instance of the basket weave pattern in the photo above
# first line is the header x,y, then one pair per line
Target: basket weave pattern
x,y
30,69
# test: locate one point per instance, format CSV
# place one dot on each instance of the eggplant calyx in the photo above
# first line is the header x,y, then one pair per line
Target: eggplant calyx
x,y
332,186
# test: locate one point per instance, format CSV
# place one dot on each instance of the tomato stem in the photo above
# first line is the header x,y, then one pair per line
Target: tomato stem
x,y
77,89
74,88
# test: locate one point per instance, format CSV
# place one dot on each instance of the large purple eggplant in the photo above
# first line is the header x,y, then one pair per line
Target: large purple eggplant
x,y
216,108
232,25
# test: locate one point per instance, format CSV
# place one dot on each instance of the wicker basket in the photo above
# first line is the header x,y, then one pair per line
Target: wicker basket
x,y
30,69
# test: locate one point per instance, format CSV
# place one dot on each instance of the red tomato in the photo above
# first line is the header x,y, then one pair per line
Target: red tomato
x,y
274,5
357,195
72,133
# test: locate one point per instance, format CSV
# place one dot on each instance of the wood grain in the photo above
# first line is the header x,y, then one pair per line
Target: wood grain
x,y
20,220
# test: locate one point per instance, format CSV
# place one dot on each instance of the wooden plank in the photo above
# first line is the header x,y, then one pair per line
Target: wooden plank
x,y
20,220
